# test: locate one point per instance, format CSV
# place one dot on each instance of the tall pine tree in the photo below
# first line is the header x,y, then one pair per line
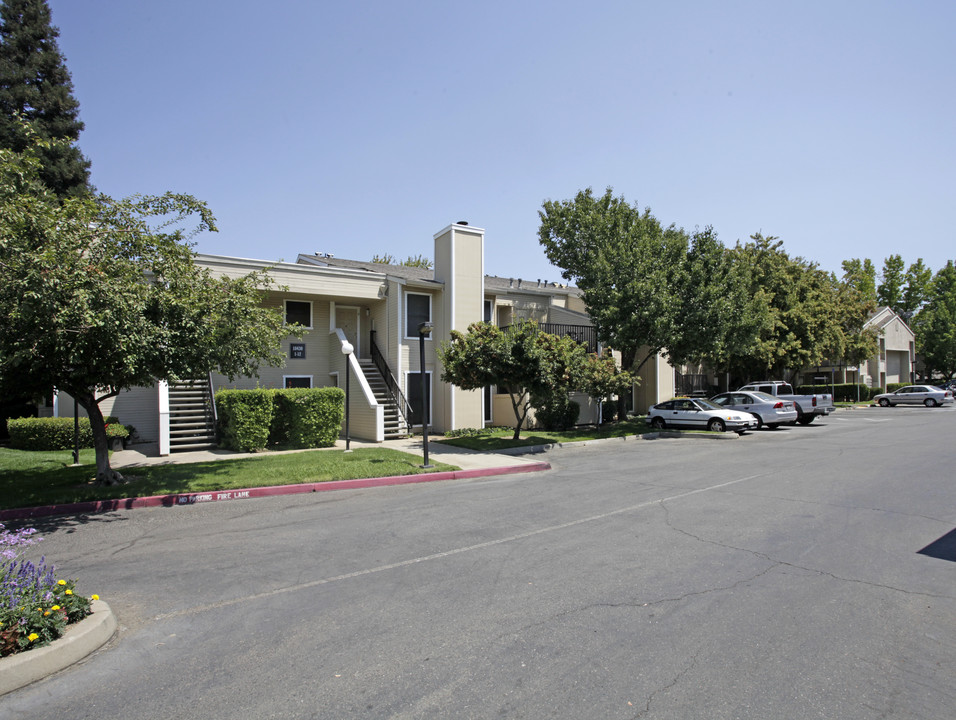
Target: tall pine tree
x,y
36,86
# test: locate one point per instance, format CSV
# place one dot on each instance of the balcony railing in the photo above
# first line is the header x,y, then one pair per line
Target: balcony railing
x,y
584,334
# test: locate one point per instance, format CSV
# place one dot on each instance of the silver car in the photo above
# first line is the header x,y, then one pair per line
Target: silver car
x,y
928,395
769,410
691,413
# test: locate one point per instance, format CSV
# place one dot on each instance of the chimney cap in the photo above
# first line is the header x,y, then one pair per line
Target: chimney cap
x,y
461,222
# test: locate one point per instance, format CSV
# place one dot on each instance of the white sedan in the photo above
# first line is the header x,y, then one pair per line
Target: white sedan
x,y
697,413
928,395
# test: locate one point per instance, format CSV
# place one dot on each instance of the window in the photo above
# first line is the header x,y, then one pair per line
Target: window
x,y
297,381
418,309
489,311
413,393
298,311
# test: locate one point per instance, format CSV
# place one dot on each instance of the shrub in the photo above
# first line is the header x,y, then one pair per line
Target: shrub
x,y
557,412
245,418
48,433
57,433
309,417
35,607
470,432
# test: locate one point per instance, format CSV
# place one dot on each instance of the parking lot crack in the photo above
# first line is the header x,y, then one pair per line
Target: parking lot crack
x,y
777,562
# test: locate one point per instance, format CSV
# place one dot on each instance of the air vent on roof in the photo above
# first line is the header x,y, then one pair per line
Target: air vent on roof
x,y
461,222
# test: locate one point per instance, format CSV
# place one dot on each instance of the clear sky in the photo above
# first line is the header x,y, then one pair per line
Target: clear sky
x,y
364,127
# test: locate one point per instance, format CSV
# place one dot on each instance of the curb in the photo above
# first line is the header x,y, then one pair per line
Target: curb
x,y
77,642
535,449
96,506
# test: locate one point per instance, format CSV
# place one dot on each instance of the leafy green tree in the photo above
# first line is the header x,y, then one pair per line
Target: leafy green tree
x,y
532,366
604,378
804,323
627,265
935,325
35,86
889,292
720,315
100,295
919,280
861,276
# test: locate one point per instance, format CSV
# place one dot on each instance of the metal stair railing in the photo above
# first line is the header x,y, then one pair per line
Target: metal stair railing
x,y
404,408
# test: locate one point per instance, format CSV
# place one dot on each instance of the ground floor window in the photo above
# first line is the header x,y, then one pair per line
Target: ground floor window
x,y
413,393
297,381
488,395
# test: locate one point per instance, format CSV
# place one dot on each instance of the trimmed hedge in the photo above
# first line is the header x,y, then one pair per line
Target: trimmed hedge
x,y
310,417
245,417
251,420
51,433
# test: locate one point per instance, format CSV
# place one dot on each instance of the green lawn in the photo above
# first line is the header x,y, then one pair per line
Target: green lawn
x,y
501,438
29,479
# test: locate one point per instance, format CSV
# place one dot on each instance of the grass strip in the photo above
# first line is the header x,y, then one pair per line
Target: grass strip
x,y
31,479
501,438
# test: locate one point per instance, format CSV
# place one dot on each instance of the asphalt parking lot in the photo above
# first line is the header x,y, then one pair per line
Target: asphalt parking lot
x,y
782,574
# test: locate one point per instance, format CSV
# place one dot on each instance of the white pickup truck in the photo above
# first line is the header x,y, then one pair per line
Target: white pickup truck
x,y
808,406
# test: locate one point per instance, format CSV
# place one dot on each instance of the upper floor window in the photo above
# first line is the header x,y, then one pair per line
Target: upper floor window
x,y
418,309
298,311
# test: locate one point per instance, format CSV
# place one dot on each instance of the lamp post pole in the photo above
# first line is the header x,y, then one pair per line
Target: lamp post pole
x,y
424,330
347,350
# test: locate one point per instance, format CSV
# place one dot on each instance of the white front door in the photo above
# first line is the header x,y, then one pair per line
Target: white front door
x,y
347,319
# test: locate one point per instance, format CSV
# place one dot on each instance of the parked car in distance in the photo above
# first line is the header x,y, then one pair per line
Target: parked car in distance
x,y
928,395
691,413
769,410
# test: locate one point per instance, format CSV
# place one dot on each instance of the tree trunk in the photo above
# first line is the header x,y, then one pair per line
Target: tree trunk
x,y
627,362
105,475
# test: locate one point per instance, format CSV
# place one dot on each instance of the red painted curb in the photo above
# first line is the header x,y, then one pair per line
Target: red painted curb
x,y
94,506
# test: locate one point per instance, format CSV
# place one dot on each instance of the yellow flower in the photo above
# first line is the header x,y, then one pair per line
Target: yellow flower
x,y
94,597
69,592
46,613
61,582
55,607
33,636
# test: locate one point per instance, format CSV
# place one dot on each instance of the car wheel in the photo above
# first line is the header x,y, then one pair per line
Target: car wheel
x,y
884,402
716,425
929,402
657,423
806,419
759,422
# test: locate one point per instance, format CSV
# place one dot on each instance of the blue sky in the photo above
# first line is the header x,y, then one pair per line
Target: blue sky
x,y
362,128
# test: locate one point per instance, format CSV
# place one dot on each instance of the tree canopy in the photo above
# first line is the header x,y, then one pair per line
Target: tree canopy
x,y
101,295
935,325
35,86
532,366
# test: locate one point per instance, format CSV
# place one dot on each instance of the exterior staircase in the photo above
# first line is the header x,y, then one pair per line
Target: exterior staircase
x,y
395,426
191,422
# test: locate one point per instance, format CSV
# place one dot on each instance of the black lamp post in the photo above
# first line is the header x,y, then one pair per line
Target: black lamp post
x,y
347,350
424,330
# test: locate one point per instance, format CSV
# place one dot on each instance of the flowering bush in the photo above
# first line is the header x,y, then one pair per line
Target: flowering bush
x,y
35,607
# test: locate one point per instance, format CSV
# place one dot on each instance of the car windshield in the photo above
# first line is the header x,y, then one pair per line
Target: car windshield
x,y
707,404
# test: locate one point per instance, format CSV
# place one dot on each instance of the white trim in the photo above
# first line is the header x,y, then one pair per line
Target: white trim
x,y
431,395
285,311
431,314
163,390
